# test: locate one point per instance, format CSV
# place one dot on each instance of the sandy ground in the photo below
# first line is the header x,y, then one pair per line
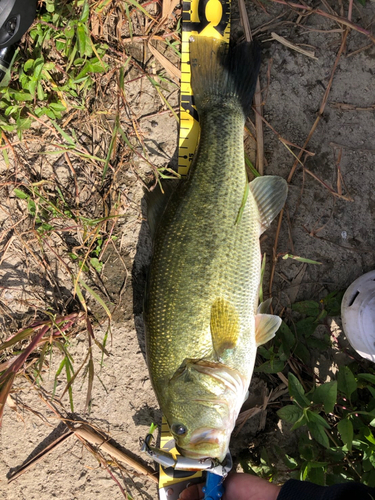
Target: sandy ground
x,y
317,225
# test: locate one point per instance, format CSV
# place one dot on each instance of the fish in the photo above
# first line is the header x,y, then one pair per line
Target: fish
x,y
202,320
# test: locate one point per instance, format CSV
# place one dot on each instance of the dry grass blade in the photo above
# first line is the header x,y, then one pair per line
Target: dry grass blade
x,y
283,378
332,191
267,398
173,72
364,249
292,46
322,106
350,107
84,431
259,128
285,142
358,51
346,22
340,180
245,20
25,467
244,416
338,19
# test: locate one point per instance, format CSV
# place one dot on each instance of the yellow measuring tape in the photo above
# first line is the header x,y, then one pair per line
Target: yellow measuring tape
x,y
199,18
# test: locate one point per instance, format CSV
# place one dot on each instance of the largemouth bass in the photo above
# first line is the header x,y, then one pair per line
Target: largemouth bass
x,y
202,320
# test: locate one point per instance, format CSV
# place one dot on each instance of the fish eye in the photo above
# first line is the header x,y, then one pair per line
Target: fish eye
x,y
179,429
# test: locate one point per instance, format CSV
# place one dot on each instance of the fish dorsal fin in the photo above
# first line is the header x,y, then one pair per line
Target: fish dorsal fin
x,y
270,192
225,326
156,201
266,326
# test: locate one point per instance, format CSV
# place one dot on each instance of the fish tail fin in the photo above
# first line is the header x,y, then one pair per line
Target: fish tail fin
x,y
222,74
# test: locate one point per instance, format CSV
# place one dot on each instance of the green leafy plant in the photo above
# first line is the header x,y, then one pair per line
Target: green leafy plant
x,y
339,416
297,336
50,212
59,71
334,419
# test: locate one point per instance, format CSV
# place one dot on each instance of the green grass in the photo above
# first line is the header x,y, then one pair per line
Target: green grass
x,y
58,71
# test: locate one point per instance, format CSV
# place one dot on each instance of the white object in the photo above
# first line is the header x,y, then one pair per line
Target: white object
x,y
358,315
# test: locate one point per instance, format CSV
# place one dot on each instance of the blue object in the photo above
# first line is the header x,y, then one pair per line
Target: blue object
x,y
214,489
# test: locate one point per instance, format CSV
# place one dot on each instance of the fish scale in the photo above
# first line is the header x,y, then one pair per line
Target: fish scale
x,y
200,253
202,325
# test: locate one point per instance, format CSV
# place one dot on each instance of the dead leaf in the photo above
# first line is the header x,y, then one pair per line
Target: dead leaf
x,y
292,46
173,72
168,7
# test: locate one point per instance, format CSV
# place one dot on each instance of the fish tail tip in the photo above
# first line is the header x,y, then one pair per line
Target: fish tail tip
x,y
221,72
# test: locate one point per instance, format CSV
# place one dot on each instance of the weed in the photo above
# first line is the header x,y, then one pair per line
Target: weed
x,y
296,338
338,415
59,71
45,335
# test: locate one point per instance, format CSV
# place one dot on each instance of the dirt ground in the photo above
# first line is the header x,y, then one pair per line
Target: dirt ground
x,y
328,218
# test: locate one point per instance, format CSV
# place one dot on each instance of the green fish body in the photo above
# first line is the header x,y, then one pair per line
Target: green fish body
x,y
202,321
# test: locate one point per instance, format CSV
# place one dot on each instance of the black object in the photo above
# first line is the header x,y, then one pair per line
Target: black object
x,y
16,17
297,490
6,56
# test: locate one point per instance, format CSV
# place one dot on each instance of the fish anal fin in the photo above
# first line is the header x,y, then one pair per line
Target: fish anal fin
x,y
266,326
224,326
270,192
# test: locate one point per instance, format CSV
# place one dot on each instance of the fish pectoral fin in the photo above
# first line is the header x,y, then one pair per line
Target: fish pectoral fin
x,y
156,201
246,396
264,307
266,326
224,326
270,192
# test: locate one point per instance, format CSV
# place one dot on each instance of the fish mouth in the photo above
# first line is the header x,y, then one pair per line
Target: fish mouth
x,y
208,436
206,443
191,454
188,453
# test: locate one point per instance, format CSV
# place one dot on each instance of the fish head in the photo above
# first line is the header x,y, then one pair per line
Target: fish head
x,y
204,399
